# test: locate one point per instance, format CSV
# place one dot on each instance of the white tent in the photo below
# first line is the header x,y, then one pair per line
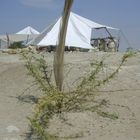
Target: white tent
x,y
38,38
78,32
28,31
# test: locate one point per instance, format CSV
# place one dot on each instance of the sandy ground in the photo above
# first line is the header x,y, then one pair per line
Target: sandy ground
x,y
123,94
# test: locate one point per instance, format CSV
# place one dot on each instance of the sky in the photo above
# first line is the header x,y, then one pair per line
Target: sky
x,y
123,14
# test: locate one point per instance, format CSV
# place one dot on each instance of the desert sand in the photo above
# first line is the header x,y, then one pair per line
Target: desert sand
x,y
123,94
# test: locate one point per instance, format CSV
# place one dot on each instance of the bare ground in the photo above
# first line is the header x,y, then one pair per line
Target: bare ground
x,y
123,94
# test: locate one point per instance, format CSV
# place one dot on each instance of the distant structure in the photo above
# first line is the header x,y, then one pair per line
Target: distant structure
x,y
24,35
28,31
78,33
108,44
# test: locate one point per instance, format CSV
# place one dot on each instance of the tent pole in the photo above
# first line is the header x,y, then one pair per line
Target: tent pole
x,y
8,40
126,39
112,38
110,35
27,38
0,43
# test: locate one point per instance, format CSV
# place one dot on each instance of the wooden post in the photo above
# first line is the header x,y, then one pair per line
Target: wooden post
x,y
8,40
59,55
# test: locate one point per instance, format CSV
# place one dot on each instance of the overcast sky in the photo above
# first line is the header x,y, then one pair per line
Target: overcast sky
x,y
122,14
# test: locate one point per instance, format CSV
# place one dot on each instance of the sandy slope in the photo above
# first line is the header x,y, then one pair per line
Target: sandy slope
x,y
123,94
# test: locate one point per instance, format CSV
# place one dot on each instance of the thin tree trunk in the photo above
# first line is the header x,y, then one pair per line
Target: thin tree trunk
x,y
59,55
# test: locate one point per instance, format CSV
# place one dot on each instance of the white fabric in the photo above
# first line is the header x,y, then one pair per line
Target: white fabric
x,y
28,31
90,23
78,32
51,37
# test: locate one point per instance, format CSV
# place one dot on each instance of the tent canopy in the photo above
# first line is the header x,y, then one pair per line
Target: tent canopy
x,y
78,32
28,31
38,38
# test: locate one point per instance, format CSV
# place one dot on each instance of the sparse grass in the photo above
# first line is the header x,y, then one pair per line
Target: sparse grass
x,y
55,101
109,115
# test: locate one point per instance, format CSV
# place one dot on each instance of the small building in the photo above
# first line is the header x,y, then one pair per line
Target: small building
x,y
3,44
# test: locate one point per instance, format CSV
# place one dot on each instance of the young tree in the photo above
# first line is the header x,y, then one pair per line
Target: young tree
x,y
59,55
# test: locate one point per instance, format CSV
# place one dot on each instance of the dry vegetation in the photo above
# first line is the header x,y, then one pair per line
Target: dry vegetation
x,y
55,102
111,112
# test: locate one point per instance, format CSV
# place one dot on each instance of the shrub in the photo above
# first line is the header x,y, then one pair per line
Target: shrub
x,y
17,45
55,101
